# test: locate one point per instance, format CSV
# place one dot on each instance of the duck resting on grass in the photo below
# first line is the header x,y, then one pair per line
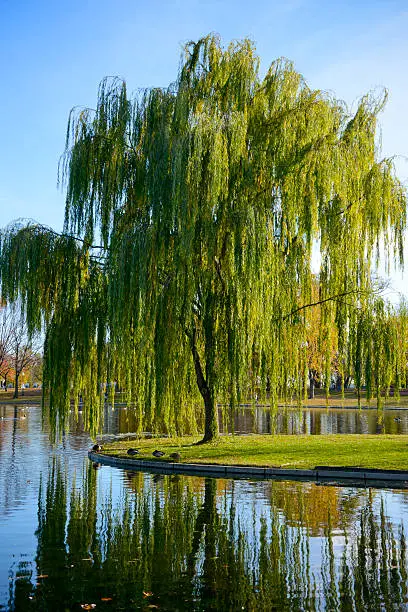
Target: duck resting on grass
x,y
97,448
132,451
157,453
175,456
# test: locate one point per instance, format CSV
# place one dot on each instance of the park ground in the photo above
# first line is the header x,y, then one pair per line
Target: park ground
x,y
34,396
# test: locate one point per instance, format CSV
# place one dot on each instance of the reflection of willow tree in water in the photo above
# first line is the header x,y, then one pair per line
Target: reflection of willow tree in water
x,y
66,530
373,571
179,543
307,505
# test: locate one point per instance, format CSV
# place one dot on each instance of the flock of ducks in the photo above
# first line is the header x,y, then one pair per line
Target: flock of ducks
x,y
134,451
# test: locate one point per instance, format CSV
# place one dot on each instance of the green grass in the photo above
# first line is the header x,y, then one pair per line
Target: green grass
x,y
289,451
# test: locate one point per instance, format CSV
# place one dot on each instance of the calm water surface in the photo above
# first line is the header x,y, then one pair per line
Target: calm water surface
x,y
319,421
291,420
73,537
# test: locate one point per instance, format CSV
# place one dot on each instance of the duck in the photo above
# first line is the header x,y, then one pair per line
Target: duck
x,y
97,448
397,419
132,451
157,453
175,456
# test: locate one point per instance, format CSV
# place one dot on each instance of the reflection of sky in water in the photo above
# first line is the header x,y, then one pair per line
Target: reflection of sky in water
x,y
26,455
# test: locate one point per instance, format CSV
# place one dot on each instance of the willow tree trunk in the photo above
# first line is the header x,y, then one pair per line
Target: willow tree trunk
x,y
210,409
211,416
311,385
17,373
15,396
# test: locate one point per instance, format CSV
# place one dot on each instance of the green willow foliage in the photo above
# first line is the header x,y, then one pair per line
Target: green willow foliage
x,y
207,197
378,349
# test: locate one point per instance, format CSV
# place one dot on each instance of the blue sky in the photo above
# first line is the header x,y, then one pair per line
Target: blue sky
x,y
53,55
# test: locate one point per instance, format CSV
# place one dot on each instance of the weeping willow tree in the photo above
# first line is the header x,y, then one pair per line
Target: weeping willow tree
x,y
206,198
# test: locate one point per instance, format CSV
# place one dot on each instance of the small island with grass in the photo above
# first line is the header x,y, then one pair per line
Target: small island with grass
x,y
351,454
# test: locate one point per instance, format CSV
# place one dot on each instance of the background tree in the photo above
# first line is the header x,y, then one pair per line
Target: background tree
x,y
6,335
35,370
18,350
24,355
207,197
320,346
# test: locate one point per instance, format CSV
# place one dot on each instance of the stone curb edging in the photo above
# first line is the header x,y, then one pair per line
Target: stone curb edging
x,y
165,467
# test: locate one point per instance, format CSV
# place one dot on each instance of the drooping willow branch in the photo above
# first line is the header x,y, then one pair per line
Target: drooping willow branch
x,y
31,224
331,298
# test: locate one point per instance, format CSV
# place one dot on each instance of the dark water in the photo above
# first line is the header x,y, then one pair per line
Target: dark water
x,y
72,535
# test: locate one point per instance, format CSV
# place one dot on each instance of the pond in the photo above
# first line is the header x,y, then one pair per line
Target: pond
x,y
263,420
73,537
290,420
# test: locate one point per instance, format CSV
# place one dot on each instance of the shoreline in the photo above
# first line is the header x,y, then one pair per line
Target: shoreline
x,y
347,405
21,401
351,476
348,457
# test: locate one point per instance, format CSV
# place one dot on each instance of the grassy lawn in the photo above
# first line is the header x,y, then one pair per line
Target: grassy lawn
x,y
30,396
350,400
381,451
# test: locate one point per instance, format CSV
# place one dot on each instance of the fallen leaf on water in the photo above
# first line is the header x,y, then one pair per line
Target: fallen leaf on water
x,y
88,559
88,606
43,576
152,606
106,598
147,593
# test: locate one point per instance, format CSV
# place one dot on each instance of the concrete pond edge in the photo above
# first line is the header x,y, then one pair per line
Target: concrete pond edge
x,y
361,476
